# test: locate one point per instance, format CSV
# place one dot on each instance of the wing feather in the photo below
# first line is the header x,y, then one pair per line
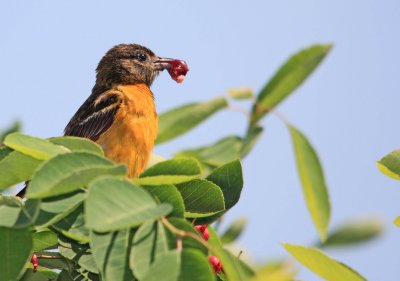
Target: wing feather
x,y
95,116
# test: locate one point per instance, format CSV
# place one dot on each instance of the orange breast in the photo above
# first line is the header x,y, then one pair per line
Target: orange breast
x,y
130,139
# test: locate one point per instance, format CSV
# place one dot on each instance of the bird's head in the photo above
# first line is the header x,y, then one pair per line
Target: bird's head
x,y
132,64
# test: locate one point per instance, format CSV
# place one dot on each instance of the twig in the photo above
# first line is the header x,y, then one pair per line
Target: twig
x,y
181,233
179,245
44,256
239,109
274,112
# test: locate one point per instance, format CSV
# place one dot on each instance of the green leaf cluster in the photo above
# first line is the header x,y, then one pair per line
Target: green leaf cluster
x,y
104,225
86,220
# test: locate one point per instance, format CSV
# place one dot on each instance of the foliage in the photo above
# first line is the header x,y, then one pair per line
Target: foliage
x,y
15,127
104,226
389,165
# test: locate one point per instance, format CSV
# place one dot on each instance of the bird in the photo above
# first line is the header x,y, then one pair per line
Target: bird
x,y
120,114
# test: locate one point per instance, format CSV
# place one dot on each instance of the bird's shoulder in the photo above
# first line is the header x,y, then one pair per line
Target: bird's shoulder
x,y
96,114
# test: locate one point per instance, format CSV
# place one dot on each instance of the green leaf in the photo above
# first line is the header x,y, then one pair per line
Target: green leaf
x,y
313,182
182,119
217,154
201,196
323,265
170,172
53,209
253,135
80,274
64,276
73,226
204,218
78,253
44,240
15,249
287,79
76,144
390,164
233,231
68,172
196,267
244,93
225,150
168,194
49,273
11,210
111,254
149,243
233,269
16,167
275,271
230,179
14,127
166,268
397,221
214,239
4,152
35,147
155,159
222,277
16,213
57,261
31,275
246,269
131,205
354,232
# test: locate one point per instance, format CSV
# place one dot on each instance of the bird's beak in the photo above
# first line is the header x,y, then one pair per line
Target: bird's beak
x,y
177,69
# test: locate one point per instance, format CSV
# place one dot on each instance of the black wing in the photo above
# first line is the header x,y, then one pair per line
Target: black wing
x,y
93,118
95,115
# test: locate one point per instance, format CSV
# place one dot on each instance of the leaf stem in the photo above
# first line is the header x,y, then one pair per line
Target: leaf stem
x,y
280,116
240,109
44,256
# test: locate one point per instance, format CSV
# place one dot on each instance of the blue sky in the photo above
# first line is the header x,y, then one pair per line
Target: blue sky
x,y
348,109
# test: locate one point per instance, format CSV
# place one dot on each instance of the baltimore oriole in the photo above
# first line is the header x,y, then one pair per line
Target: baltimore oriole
x,y
120,114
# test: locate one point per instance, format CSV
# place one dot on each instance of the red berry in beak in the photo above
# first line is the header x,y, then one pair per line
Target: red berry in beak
x,y
202,229
177,69
216,264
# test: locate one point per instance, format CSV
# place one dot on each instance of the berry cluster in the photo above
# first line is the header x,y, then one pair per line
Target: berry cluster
x,y
215,262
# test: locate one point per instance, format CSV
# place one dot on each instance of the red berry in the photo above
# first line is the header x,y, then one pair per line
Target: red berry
x,y
178,70
35,262
216,264
203,231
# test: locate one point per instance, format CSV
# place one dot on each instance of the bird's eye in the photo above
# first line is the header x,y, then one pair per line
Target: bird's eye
x,y
141,57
